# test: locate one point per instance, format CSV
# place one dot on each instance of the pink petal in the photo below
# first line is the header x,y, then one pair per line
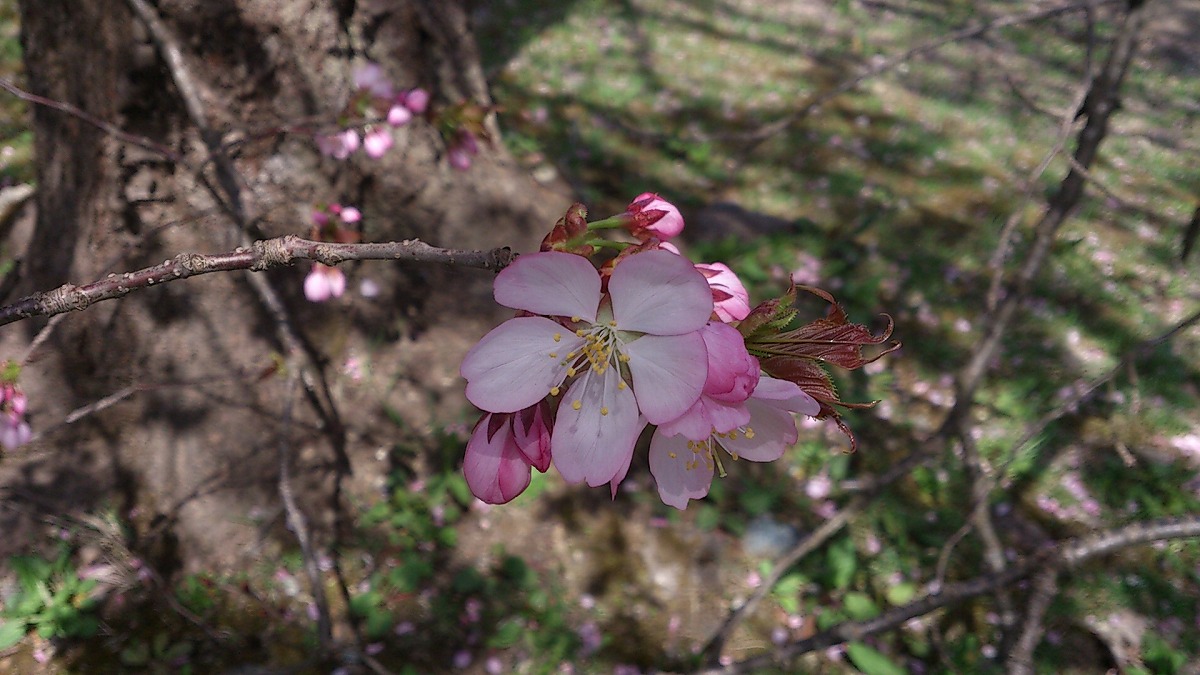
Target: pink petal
x,y
660,293
550,284
705,417
731,302
785,395
398,115
512,368
495,469
337,281
587,444
533,436
732,372
668,373
678,471
316,285
377,142
774,432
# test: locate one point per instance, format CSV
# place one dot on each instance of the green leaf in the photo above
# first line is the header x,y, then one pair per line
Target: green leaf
x,y
11,632
871,661
860,606
901,594
507,634
843,563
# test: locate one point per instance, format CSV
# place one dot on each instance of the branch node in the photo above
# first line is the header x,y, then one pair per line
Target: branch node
x,y
270,253
63,299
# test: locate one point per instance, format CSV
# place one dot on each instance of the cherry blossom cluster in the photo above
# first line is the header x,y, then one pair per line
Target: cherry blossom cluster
x,y
331,223
14,429
596,355
382,105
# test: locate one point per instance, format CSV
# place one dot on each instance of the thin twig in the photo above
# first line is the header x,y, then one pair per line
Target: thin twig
x,y
260,256
105,126
760,135
1063,556
298,524
712,649
1045,587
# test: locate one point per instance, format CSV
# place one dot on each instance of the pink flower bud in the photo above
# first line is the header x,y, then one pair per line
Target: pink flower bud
x,y
731,302
324,282
339,145
377,141
320,218
398,115
14,431
370,77
416,100
350,215
459,158
654,216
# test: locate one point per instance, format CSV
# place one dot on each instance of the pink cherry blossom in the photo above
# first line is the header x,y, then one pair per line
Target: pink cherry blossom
x,y
370,77
416,100
732,376
731,302
654,216
339,145
377,141
502,450
350,214
398,115
14,430
324,282
683,468
633,355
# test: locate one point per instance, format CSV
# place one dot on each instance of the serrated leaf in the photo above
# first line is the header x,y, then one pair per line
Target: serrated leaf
x,y
872,661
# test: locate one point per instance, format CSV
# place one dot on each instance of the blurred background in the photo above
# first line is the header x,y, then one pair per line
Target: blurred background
x,y
902,155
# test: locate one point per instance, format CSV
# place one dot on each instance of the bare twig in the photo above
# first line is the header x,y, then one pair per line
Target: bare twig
x,y
105,126
712,649
298,524
760,135
1045,587
261,255
1066,122
1099,105
1061,557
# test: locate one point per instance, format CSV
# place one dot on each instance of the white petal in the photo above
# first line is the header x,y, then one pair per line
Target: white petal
x,y
785,395
660,293
774,432
593,442
668,373
678,471
552,284
512,368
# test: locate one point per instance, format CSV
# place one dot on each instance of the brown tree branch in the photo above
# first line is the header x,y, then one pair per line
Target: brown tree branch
x,y
1064,556
260,256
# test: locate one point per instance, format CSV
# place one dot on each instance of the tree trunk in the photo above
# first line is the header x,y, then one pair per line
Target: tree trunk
x,y
229,155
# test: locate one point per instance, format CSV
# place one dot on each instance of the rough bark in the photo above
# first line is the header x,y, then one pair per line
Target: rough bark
x,y
192,449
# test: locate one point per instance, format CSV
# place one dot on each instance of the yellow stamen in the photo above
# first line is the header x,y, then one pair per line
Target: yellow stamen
x,y
621,385
603,411
557,337
576,405
554,391
554,355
